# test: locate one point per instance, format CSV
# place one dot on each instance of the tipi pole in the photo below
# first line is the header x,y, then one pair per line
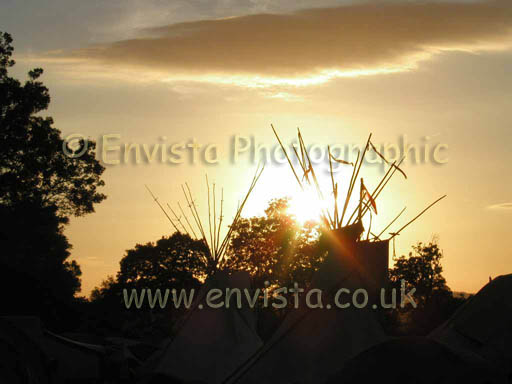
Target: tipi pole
x,y
421,213
360,200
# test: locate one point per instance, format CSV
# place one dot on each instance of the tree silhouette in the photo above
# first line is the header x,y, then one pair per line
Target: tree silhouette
x,y
275,248
40,187
422,270
175,262
271,248
172,262
35,273
33,166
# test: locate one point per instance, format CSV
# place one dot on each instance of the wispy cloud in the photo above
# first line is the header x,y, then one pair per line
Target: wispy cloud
x,y
309,46
501,206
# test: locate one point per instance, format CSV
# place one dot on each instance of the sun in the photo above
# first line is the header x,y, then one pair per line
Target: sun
x,y
305,206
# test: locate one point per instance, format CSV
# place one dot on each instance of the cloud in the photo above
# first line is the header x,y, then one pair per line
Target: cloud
x,y
310,46
501,206
286,96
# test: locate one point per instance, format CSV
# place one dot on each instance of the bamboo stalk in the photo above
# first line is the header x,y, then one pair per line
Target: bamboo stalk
x,y
395,167
374,194
194,209
214,220
178,219
334,188
162,208
220,217
212,248
361,162
302,165
369,226
315,180
421,213
347,198
380,187
287,157
353,182
216,249
186,219
390,224
385,160
302,150
197,219
239,211
310,168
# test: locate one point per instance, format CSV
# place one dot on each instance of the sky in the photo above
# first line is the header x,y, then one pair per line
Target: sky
x,y
433,73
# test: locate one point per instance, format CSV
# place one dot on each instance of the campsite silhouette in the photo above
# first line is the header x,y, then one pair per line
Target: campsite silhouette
x,y
50,335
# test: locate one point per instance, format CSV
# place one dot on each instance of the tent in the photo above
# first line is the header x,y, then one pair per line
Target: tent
x,y
373,257
414,360
69,360
211,343
311,344
21,358
483,325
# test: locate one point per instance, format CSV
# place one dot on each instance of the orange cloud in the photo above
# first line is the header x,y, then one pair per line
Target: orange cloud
x,y
358,39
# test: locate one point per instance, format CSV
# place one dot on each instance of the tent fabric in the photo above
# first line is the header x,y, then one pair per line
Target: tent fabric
x,y
374,259
76,361
211,343
72,360
414,360
311,344
21,358
483,325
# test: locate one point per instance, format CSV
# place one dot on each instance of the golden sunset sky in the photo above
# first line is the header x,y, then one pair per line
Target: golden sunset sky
x,y
166,72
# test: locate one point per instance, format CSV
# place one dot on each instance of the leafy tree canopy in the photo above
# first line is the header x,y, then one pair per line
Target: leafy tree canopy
x,y
271,248
40,187
174,261
422,270
275,248
33,166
